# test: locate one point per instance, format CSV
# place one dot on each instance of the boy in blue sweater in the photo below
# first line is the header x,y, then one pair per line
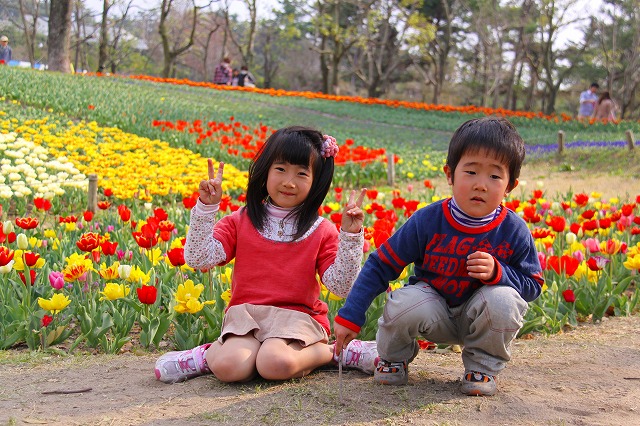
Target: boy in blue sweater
x,y
475,266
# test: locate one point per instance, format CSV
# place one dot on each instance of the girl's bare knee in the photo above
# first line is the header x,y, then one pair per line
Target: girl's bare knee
x,y
277,368
227,369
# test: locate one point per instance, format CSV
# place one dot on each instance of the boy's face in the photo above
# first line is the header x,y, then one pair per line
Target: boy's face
x,y
479,183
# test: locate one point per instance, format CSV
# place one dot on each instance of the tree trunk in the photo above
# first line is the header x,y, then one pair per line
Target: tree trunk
x,y
59,39
104,37
324,68
29,31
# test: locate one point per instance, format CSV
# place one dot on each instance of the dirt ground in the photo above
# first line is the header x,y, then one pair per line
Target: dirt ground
x,y
586,376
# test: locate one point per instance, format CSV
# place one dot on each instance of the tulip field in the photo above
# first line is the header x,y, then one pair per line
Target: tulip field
x,y
72,278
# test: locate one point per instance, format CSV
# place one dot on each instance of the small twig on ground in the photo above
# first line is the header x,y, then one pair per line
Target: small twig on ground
x,y
65,391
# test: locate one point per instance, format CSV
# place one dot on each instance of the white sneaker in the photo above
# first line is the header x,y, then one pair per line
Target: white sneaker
x,y
361,355
174,367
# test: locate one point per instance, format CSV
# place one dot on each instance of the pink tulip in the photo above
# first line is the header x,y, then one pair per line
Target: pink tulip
x,y
56,279
578,255
592,244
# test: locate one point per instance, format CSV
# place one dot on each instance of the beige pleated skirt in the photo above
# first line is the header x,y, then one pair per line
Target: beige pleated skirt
x,y
265,322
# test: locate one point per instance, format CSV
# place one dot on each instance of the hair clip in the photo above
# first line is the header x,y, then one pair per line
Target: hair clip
x,y
329,146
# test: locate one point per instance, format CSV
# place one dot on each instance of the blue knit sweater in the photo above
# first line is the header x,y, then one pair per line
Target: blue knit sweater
x,y
438,247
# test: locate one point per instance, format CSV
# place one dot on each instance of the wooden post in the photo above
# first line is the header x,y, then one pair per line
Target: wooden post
x,y
631,140
391,170
92,196
560,141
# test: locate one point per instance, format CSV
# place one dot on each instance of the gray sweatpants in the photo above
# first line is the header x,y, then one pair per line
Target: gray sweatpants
x,y
485,325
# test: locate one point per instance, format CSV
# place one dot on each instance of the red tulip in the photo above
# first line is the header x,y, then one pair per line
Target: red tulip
x,y
42,204
160,214
145,241
596,263
581,199
46,320
147,294
6,255
565,263
124,212
88,215
32,276
30,258
557,223
372,194
189,202
88,241
27,222
176,256
109,248
569,296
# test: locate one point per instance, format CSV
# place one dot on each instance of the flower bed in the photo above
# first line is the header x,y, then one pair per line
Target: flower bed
x,y
69,272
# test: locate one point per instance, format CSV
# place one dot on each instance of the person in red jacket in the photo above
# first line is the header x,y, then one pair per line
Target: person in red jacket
x,y
223,72
275,325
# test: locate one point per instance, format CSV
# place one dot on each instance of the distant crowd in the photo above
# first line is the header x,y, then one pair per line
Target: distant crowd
x,y
226,75
600,107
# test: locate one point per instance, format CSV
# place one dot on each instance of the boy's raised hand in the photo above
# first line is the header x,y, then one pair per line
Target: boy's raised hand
x,y
352,215
481,265
210,190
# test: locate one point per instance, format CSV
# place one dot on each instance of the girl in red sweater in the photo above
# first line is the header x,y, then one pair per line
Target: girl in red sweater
x,y
275,326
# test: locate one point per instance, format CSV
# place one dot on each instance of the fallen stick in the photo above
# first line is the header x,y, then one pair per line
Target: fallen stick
x,y
64,392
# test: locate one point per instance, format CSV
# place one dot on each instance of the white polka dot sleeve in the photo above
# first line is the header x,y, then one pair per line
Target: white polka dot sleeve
x,y
340,276
201,250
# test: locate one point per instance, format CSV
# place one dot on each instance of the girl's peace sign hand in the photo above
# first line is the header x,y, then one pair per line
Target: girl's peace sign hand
x,y
210,190
352,215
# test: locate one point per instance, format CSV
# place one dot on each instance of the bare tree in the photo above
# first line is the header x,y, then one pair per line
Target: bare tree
x,y
104,36
551,62
212,23
379,54
81,36
115,52
337,29
244,40
171,53
29,13
434,37
59,38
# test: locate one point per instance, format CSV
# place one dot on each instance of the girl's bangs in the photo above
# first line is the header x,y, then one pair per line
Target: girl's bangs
x,y
296,151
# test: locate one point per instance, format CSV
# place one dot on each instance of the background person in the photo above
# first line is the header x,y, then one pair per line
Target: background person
x,y
605,109
245,78
588,100
223,72
5,50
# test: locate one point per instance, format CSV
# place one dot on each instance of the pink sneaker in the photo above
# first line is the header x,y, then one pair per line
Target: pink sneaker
x,y
361,355
179,366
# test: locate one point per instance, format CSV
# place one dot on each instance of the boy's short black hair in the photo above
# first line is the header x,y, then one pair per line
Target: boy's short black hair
x,y
596,85
496,135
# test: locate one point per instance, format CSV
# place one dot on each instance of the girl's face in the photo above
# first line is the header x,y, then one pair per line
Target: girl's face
x,y
288,185
479,183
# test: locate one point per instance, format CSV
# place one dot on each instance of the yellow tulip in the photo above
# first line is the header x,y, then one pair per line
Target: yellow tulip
x,y
113,291
57,303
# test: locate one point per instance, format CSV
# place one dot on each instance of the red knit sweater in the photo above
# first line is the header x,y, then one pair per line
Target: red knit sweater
x,y
281,274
